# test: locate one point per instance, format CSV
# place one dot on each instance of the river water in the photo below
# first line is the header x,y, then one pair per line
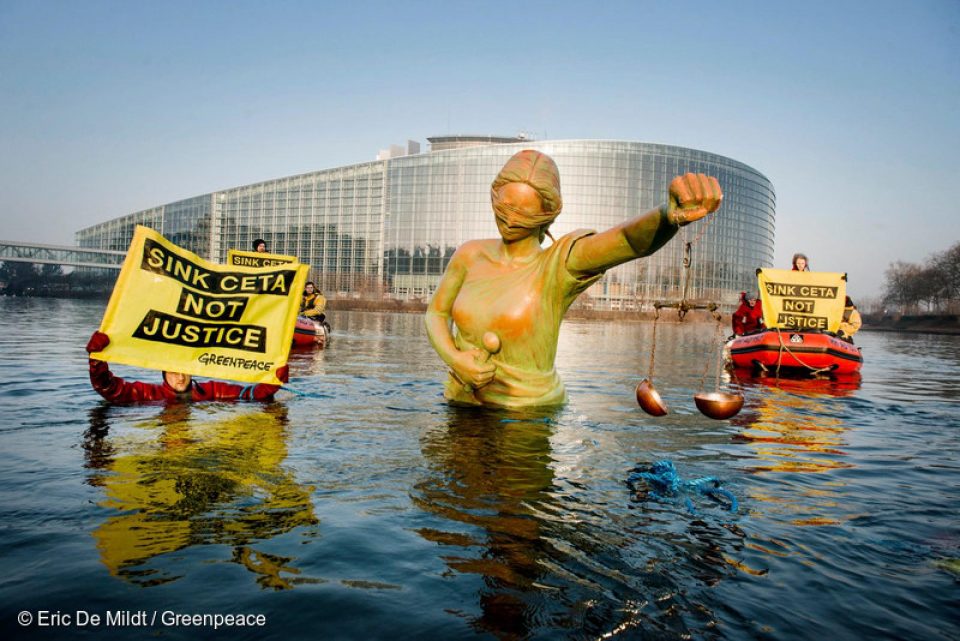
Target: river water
x,y
359,505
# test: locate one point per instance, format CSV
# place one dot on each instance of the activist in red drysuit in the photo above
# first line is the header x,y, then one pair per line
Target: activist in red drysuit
x,y
175,386
749,316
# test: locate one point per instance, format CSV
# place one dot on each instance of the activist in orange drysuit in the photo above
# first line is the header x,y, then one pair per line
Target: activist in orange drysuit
x,y
175,386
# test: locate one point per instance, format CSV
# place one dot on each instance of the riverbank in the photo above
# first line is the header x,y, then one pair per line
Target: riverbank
x,y
912,323
574,313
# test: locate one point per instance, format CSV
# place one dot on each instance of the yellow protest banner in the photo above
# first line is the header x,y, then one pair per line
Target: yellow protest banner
x,y
797,300
174,311
257,259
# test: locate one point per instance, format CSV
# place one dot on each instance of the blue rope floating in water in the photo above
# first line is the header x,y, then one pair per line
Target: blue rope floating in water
x,y
297,392
666,485
546,420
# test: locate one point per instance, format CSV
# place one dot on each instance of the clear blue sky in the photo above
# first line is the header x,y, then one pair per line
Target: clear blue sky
x,y
851,109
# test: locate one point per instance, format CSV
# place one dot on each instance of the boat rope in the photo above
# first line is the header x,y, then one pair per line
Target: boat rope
x,y
665,485
783,347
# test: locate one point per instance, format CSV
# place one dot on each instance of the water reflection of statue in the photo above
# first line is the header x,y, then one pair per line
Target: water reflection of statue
x,y
491,477
554,554
197,483
519,291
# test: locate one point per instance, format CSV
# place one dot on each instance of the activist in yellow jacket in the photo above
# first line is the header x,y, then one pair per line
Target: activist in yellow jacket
x,y
851,322
313,304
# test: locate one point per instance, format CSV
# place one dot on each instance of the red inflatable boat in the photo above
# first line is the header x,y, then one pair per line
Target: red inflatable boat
x,y
310,333
795,351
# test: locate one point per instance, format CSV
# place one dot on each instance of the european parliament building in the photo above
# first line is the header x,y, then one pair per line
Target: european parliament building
x,y
388,228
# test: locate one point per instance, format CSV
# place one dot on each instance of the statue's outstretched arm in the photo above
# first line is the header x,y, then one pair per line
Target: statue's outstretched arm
x,y
692,196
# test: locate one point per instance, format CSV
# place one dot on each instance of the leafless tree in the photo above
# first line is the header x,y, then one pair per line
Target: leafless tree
x,y
931,287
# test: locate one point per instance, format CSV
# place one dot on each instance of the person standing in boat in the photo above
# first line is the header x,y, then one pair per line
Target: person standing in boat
x,y
313,304
851,321
507,296
800,263
175,387
749,315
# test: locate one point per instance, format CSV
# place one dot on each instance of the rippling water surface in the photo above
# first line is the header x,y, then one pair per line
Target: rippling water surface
x,y
359,505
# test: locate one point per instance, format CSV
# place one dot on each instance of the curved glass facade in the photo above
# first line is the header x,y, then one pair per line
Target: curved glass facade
x,y
388,228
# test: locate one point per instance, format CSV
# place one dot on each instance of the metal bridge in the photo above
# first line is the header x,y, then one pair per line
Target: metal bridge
x,y
18,252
